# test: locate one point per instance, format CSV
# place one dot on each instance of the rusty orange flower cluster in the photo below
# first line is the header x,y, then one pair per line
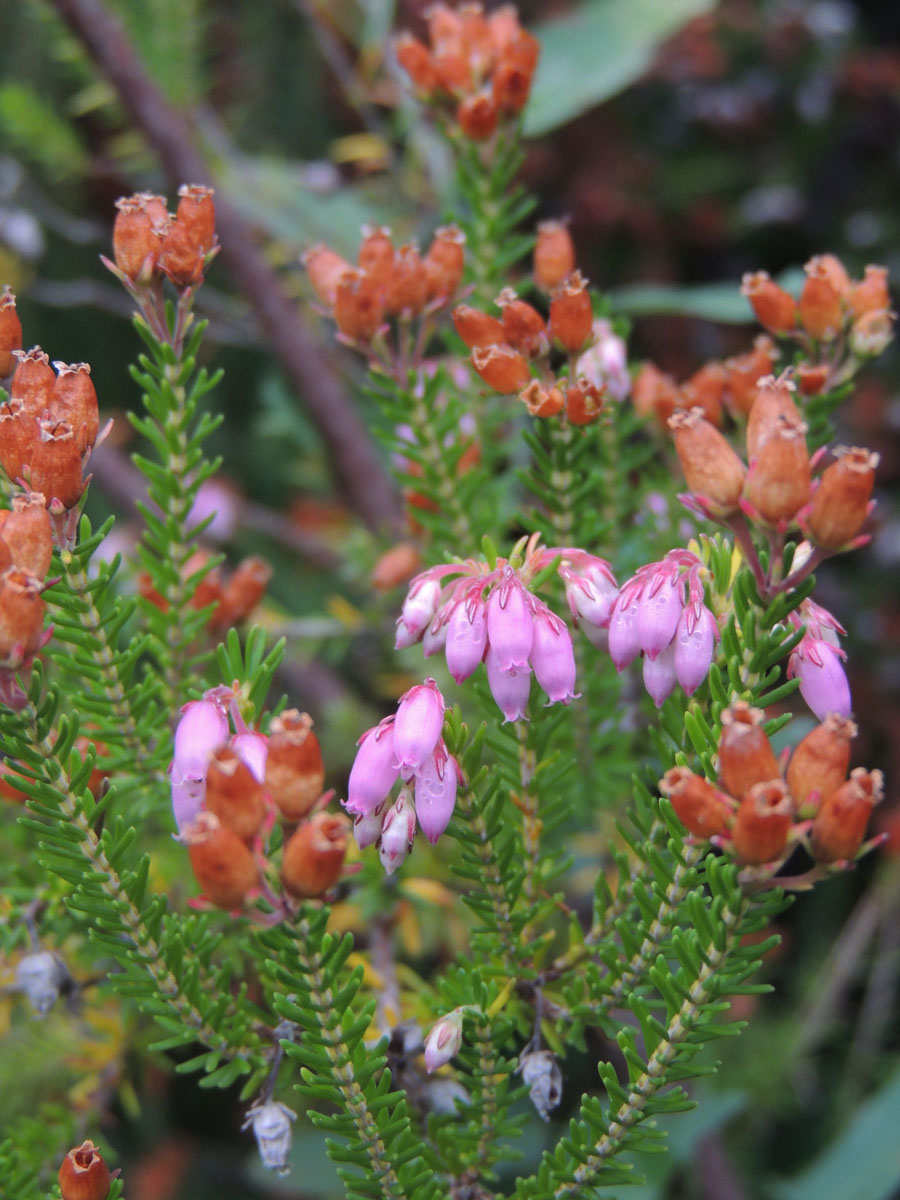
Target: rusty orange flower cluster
x,y
387,283
48,427
778,490
151,244
834,314
476,66
759,812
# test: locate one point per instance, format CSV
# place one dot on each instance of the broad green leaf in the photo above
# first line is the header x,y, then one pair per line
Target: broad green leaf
x,y
710,301
596,51
863,1163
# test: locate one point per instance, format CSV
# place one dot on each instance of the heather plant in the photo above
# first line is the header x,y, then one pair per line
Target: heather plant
x,y
568,520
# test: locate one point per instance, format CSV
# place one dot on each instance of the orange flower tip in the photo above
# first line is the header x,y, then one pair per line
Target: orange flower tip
x,y
502,368
773,307
84,1175
554,254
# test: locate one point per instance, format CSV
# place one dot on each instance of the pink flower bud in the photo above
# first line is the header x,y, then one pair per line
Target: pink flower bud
x,y
510,689
591,589
443,1041
659,675
434,638
417,728
253,750
659,610
201,731
695,643
466,637
374,771
823,683
624,643
552,657
436,782
397,833
418,610
367,827
509,623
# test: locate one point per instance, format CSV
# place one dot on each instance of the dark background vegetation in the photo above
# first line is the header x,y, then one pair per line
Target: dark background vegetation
x,y
755,136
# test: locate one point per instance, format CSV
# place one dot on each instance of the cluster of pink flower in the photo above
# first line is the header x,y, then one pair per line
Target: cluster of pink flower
x,y
489,614
408,747
228,789
661,613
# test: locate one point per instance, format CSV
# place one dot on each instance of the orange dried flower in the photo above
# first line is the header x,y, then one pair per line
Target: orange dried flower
x,y
774,308
135,244
819,763
871,333
502,368
840,504
358,306
571,316
83,1174
554,255
222,864
478,116
774,400
654,393
840,824
295,772
701,809
19,433
406,291
314,855
523,326
763,823
396,566
811,378
820,309
415,59
74,399
21,616
706,389
542,401
56,464
746,756
181,258
445,262
27,532
477,328
584,401
744,372
234,794
10,332
711,468
778,482
325,268
33,380
196,213
871,293
242,592
376,254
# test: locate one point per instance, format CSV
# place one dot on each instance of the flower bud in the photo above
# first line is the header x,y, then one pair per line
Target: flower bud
x,y
83,1174
774,401
28,534
223,866
554,255
523,326
840,823
135,244
763,823
414,57
417,726
234,794
445,262
541,401
74,399
32,381
706,389
659,675
376,254
624,642
510,624
325,268
358,306
746,756
823,682
712,470
819,763
584,401
701,809
871,333
418,610
477,116
871,294
571,314
502,368
314,855
435,792
406,291
196,213
466,636
553,657
19,434
695,646
56,465
443,1040
10,332
477,329
840,504
397,832
820,309
591,588
21,617
779,479
271,1125
367,827
375,769
773,307
295,772
509,688
744,373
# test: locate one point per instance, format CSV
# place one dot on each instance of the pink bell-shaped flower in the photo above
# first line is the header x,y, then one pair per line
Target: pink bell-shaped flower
x,y
466,637
418,609
659,675
375,769
417,727
552,657
510,625
443,1041
695,646
435,792
397,832
510,689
